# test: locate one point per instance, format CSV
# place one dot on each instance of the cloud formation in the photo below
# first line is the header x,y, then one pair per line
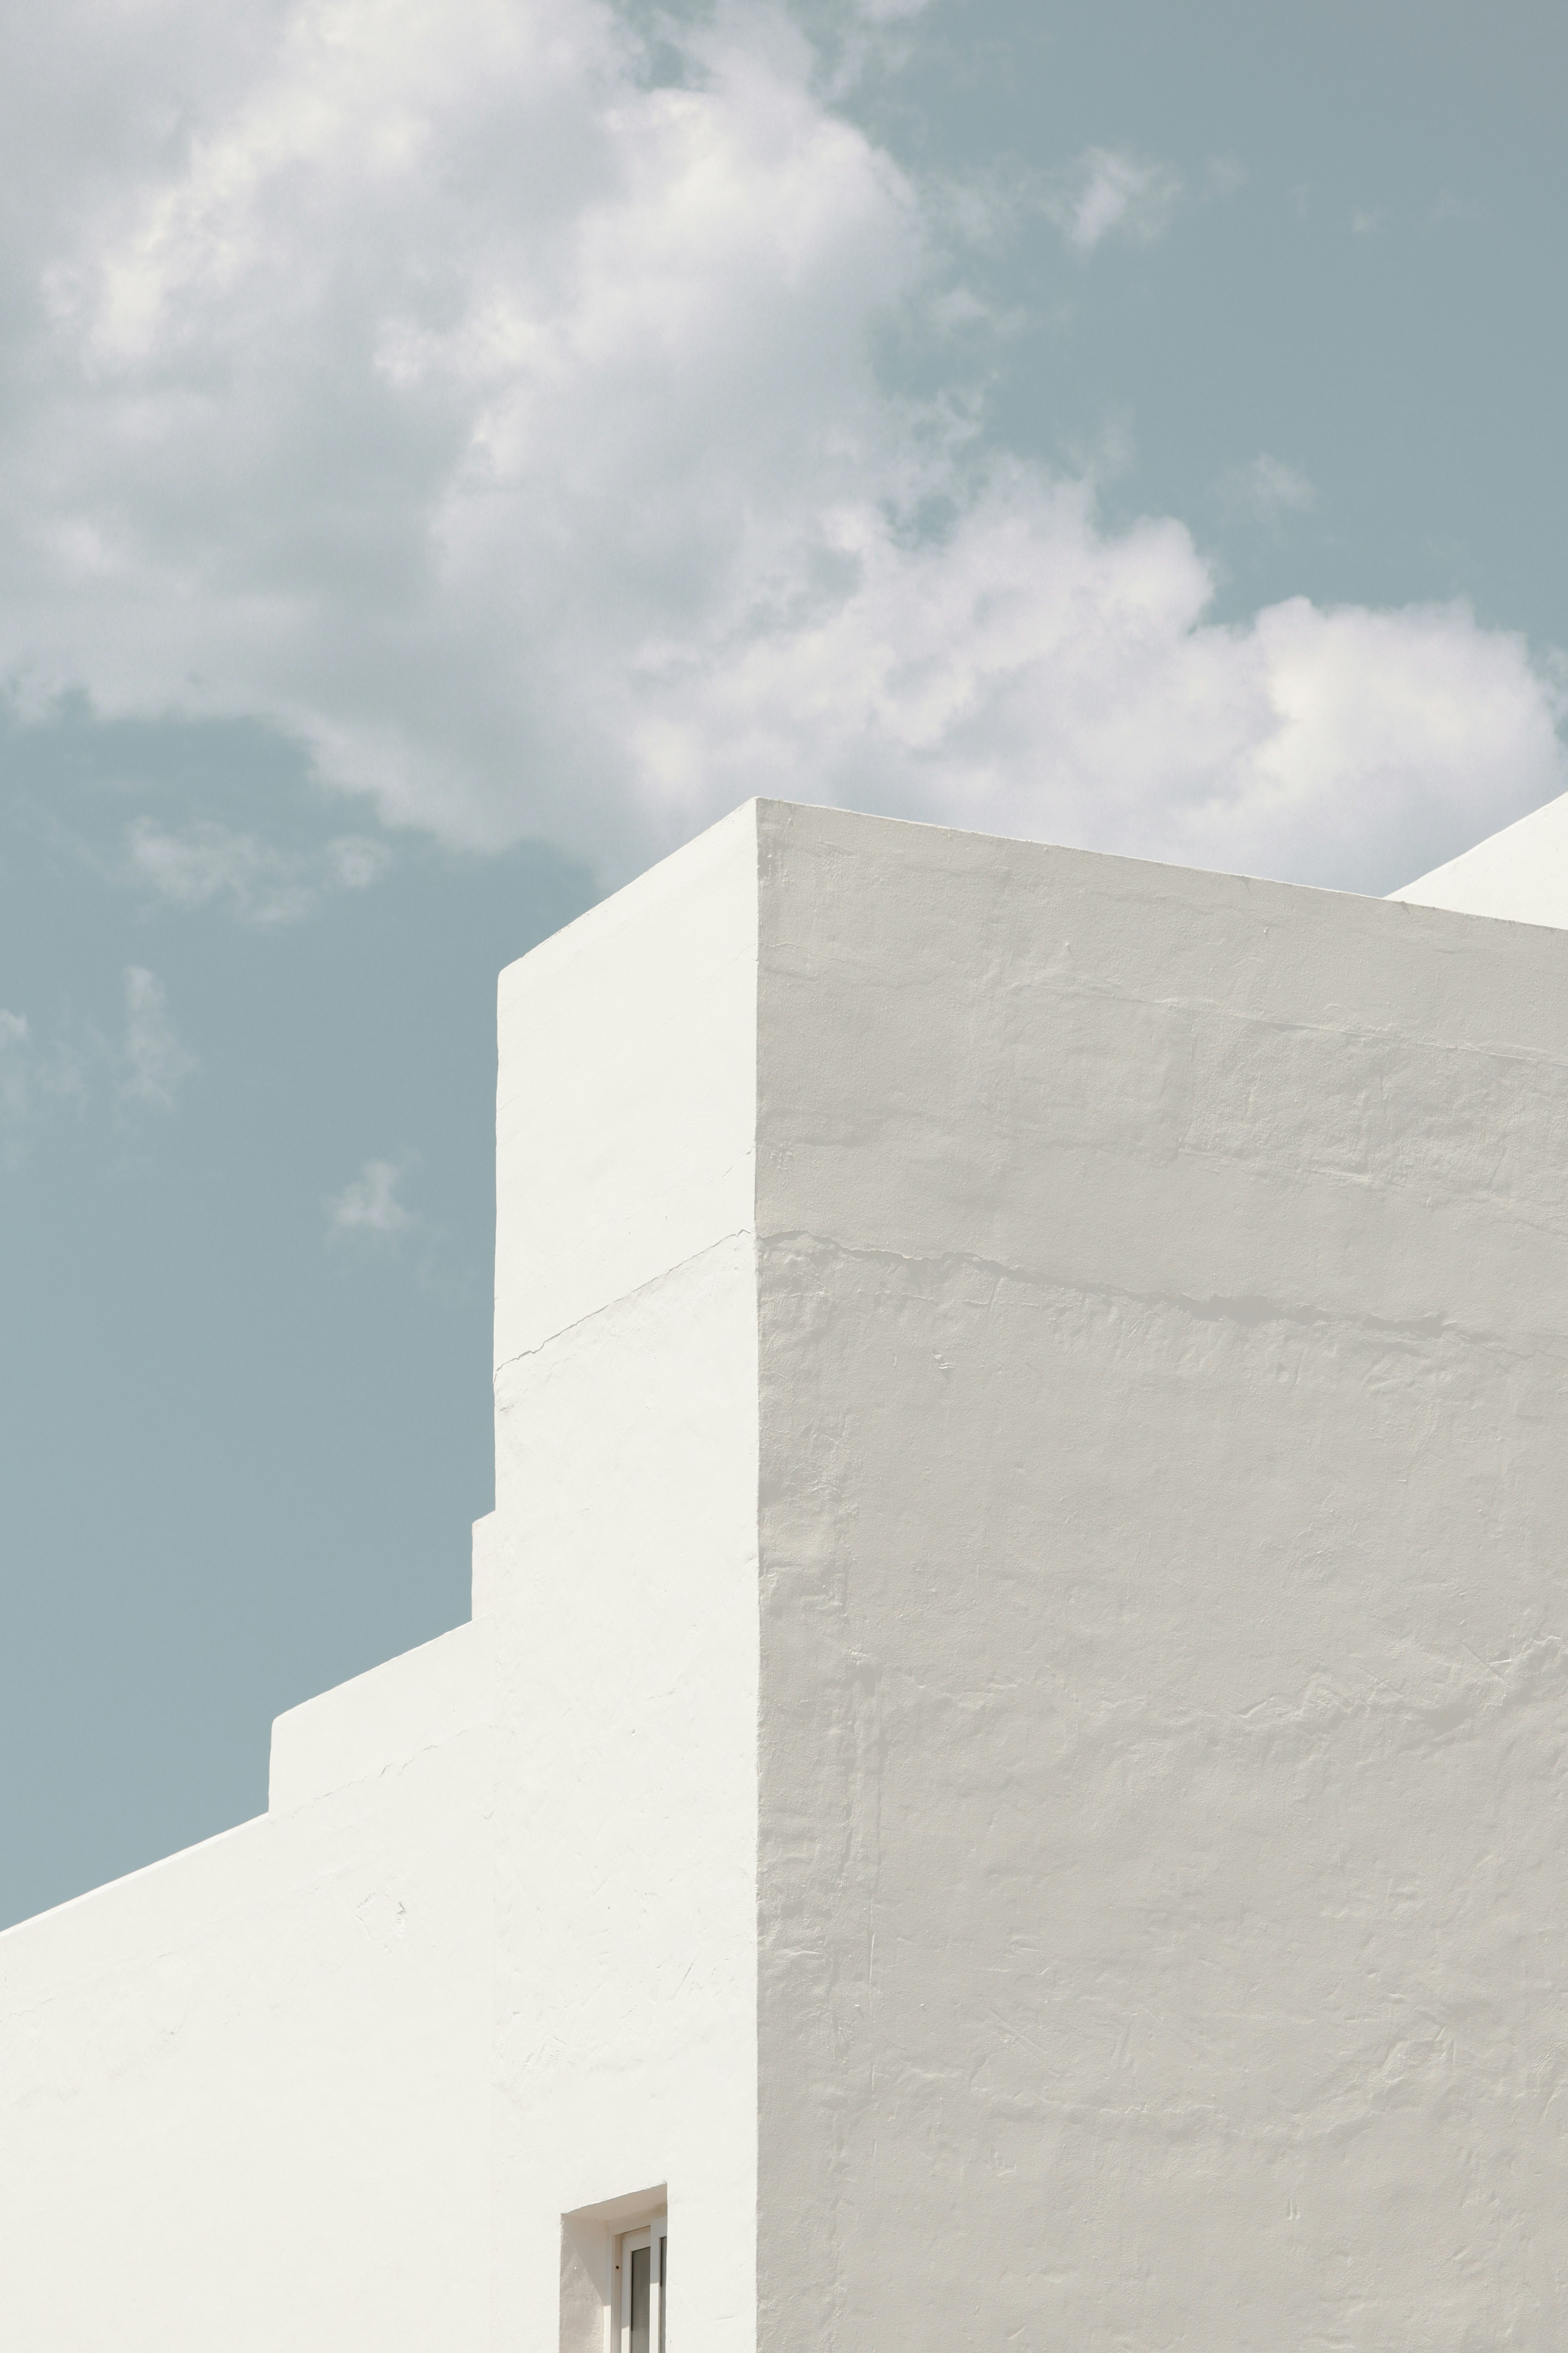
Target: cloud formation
x,y
368,1204
200,864
154,1060
41,1075
1110,192
1267,489
140,1066
14,1071
510,431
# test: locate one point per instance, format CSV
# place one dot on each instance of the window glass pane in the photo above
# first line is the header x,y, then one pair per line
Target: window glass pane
x,y
639,2299
663,2285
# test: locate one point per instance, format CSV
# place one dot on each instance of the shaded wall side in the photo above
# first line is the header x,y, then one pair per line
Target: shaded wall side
x,y
1163,1328
624,1599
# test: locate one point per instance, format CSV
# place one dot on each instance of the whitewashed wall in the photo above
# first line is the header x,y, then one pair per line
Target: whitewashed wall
x,y
1520,875
244,2095
1164,1469
627,1529
334,2080
1009,1760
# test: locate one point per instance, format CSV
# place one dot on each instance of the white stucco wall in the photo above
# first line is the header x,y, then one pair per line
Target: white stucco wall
x,y
626,1614
1008,1757
334,2080
1520,873
244,2095
1164,1290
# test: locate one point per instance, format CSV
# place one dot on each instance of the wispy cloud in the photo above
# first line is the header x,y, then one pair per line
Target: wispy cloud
x,y
368,1204
205,863
14,1067
145,1064
1110,192
154,1063
1266,488
37,1075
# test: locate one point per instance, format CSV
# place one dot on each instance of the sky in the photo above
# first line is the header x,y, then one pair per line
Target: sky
x,y
453,450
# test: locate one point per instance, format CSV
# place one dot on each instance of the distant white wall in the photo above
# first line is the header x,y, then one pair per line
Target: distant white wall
x,y
1520,873
1164,1663
245,2092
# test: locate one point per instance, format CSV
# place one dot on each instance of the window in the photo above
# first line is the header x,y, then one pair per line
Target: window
x,y
614,2268
644,2268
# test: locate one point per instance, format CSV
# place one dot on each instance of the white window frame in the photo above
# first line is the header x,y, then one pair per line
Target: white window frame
x,y
652,2235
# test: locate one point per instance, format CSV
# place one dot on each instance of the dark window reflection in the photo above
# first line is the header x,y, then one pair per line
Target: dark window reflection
x,y
663,2283
639,2299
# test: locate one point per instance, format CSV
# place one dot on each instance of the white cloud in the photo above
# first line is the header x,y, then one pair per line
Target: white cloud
x,y
511,432
201,863
36,1075
13,1070
1110,192
147,1064
368,1204
1035,675
153,1062
1267,489
352,863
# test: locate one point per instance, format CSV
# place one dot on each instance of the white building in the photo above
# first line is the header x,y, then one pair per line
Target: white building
x,y
1007,1773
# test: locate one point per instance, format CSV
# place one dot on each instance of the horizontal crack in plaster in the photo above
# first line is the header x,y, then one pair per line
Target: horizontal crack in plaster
x,y
1351,1029
1247,1310
1184,1149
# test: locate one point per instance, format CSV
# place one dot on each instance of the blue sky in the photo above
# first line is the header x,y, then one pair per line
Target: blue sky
x,y
452,452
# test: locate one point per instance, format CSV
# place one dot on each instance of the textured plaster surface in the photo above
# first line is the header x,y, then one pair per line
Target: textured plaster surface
x,y
1163,1291
1009,1760
1520,873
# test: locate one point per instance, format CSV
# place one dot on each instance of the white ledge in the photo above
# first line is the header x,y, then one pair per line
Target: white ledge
x,y
382,1719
